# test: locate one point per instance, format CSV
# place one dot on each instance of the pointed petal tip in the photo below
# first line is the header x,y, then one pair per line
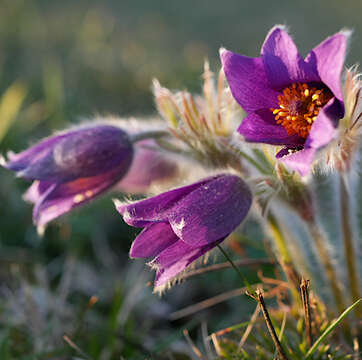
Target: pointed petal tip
x,y
346,32
277,27
3,162
224,54
40,229
222,50
155,83
117,203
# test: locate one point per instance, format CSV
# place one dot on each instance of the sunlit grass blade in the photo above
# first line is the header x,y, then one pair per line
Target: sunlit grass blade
x,y
329,329
10,104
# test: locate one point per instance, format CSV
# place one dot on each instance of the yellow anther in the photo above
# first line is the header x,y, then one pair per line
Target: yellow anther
x,y
299,106
88,193
78,198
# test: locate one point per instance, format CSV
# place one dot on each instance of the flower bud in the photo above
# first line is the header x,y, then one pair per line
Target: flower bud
x,y
183,224
72,168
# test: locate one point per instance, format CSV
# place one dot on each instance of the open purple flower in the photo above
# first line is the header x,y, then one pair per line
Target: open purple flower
x,y
183,224
71,168
290,101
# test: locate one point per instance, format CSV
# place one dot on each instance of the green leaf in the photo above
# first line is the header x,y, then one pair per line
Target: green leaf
x,y
329,329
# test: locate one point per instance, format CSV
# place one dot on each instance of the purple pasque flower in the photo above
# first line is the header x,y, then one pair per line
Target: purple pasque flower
x,y
72,168
149,166
290,101
181,225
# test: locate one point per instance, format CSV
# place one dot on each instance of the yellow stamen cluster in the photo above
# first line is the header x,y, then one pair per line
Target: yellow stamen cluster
x,y
299,106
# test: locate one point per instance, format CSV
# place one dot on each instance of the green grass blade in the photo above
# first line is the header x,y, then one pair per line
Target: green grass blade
x,y
10,104
330,328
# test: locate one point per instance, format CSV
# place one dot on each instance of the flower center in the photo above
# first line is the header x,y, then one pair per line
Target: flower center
x,y
299,106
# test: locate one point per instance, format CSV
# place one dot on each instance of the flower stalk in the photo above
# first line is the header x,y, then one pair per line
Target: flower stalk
x,y
285,257
347,235
227,257
320,240
149,135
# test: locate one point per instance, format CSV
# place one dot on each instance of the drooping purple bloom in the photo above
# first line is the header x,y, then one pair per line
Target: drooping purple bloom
x,y
149,166
71,168
183,224
290,101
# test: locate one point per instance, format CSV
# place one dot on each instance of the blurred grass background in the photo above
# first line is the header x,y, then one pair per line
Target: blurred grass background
x,y
63,61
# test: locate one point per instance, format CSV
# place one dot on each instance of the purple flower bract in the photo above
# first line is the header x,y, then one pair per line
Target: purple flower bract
x,y
290,101
183,224
149,166
72,168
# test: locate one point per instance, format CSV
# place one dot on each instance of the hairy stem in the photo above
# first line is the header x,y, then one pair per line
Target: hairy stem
x,y
227,257
347,235
149,135
320,242
285,257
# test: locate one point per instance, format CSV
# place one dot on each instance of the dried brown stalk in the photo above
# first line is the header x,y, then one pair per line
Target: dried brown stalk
x,y
304,289
260,299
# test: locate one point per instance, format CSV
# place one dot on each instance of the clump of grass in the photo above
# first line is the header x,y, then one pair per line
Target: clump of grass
x,y
287,332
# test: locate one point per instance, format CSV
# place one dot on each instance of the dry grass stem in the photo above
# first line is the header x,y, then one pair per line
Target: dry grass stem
x,y
250,327
304,289
194,348
258,296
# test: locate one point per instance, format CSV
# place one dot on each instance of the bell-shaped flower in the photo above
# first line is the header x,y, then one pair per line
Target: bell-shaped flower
x,y
291,101
72,168
183,224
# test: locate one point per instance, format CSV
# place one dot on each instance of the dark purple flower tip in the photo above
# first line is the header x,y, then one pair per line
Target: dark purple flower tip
x,y
72,168
289,100
182,224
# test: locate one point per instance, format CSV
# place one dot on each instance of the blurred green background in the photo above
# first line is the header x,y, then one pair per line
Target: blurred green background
x,y
61,61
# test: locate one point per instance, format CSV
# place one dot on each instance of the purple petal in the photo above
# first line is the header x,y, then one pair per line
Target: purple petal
x,y
175,259
261,127
324,128
248,82
59,199
212,211
300,161
85,152
152,240
282,61
36,190
156,208
322,133
328,58
148,166
18,162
